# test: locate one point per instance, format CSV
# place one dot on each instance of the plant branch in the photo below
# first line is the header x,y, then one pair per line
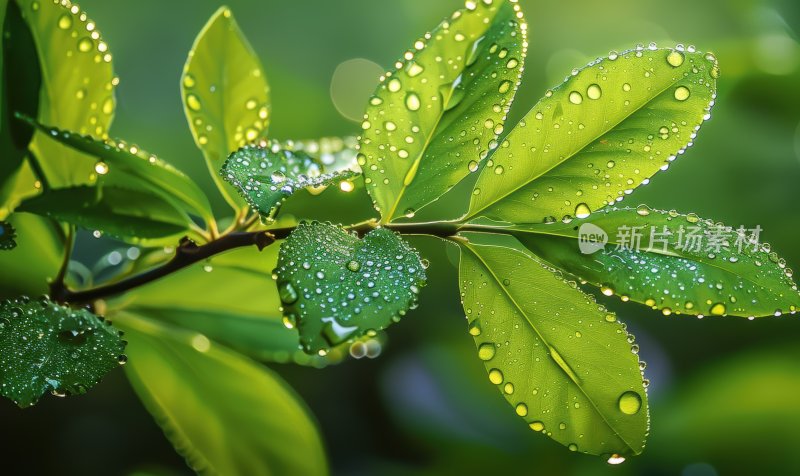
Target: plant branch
x,y
189,253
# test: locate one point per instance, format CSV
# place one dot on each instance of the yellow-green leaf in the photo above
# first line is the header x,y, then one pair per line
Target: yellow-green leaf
x,y
225,94
77,84
223,412
564,363
435,116
607,129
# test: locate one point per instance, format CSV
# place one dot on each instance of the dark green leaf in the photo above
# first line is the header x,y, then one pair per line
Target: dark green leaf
x,y
222,412
130,215
565,364
225,93
7,236
439,113
607,129
78,84
673,262
45,346
20,83
265,177
156,174
27,269
336,287
231,299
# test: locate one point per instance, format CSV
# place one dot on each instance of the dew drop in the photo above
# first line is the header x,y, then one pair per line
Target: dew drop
x,y
594,91
675,58
521,409
575,97
412,102
193,102
486,351
630,403
101,168
394,85
496,376
85,45
682,93
504,87
718,309
65,21
643,210
582,211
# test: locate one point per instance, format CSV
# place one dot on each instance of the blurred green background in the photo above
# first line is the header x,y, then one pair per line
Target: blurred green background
x,y
725,393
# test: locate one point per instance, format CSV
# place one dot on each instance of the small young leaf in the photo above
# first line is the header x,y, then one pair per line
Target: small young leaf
x,y
603,132
564,363
225,94
156,174
7,236
20,73
224,413
439,113
265,177
45,346
335,287
129,215
676,263
78,88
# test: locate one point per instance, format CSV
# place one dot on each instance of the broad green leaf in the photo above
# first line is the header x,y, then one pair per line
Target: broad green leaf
x,y
564,363
48,347
28,268
225,94
335,286
231,299
224,413
7,236
19,67
673,262
334,154
607,129
441,110
77,84
130,215
265,177
152,172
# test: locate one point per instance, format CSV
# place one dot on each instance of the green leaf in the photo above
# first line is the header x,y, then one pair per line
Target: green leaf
x,y
78,84
7,236
35,261
265,177
225,94
153,173
45,346
564,363
336,287
438,114
130,215
221,411
19,67
334,154
231,299
607,129
673,262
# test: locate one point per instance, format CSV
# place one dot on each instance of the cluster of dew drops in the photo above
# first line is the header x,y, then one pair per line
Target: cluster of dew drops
x,y
69,329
